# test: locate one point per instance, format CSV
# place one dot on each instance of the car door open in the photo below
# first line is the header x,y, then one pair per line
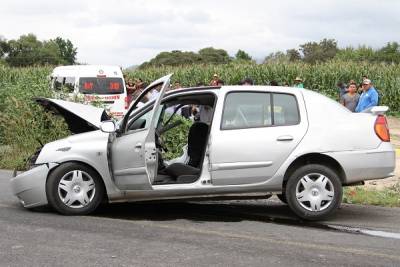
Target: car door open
x,y
133,153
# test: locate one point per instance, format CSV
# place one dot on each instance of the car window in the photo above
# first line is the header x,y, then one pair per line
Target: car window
x,y
253,109
285,109
143,121
246,110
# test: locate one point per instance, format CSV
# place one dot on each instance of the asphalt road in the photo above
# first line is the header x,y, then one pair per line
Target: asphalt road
x,y
229,233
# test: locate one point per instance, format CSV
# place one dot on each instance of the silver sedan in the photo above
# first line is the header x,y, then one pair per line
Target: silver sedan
x,y
242,141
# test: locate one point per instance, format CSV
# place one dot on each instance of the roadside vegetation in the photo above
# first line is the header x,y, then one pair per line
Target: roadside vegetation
x,y
23,123
388,197
321,77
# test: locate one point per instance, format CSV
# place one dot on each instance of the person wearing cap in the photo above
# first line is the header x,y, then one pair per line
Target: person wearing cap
x,y
369,97
298,82
214,81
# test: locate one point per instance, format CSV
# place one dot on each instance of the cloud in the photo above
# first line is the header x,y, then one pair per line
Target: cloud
x,y
36,8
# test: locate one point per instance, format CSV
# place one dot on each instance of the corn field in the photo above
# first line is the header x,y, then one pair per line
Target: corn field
x,y
321,77
22,122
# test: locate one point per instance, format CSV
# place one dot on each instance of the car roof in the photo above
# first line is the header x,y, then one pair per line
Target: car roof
x,y
231,88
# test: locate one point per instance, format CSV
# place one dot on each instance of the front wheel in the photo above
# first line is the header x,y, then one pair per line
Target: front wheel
x,y
314,192
74,189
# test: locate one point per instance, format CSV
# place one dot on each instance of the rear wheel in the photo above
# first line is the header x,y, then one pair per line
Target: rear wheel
x,y
74,189
314,191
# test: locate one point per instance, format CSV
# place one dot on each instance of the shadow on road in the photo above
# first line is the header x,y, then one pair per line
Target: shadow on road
x,y
196,211
347,219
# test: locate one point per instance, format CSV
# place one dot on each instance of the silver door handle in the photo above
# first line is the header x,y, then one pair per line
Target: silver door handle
x,y
138,146
285,138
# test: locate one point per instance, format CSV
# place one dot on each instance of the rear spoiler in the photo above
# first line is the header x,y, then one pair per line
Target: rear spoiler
x,y
377,110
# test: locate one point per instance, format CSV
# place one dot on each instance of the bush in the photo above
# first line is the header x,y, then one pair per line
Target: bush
x,y
23,124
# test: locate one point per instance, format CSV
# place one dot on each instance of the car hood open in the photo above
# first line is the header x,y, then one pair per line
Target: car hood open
x,y
79,117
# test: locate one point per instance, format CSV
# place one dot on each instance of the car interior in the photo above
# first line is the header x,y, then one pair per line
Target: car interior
x,y
183,169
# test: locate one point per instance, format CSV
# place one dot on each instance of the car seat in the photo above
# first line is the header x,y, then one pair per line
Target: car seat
x,y
197,140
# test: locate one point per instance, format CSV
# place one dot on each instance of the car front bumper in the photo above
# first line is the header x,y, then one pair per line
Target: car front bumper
x,y
30,186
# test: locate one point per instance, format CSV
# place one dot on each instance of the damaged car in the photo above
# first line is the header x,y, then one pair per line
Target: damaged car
x,y
249,141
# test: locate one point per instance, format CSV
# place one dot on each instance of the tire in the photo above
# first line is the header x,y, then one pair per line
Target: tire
x,y
74,189
314,192
282,197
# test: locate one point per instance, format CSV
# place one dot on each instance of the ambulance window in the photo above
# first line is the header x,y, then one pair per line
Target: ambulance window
x,y
65,84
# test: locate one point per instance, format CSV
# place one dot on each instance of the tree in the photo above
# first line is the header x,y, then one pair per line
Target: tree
x,y
277,57
4,47
214,56
178,58
322,51
28,50
50,54
173,58
293,55
389,53
24,51
242,55
67,50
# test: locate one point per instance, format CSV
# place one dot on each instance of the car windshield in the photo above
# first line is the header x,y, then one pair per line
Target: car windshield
x,y
101,86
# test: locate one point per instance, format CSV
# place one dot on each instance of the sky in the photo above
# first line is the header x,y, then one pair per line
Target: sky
x,y
129,32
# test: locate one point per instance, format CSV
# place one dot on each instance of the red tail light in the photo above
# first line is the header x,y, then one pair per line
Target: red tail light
x,y
126,102
382,129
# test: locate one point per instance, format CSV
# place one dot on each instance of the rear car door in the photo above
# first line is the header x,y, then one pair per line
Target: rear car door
x,y
133,153
256,132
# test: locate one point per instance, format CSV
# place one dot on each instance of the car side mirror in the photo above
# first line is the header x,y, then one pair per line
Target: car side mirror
x,y
108,127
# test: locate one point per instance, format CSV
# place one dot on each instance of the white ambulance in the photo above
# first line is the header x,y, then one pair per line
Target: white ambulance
x,y
104,84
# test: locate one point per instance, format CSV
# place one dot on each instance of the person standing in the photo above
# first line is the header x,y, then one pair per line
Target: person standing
x,y
215,79
369,97
298,82
274,83
220,82
130,90
350,99
342,89
247,81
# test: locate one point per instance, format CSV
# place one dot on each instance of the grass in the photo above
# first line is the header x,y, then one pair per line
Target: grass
x,y
386,197
394,114
13,157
